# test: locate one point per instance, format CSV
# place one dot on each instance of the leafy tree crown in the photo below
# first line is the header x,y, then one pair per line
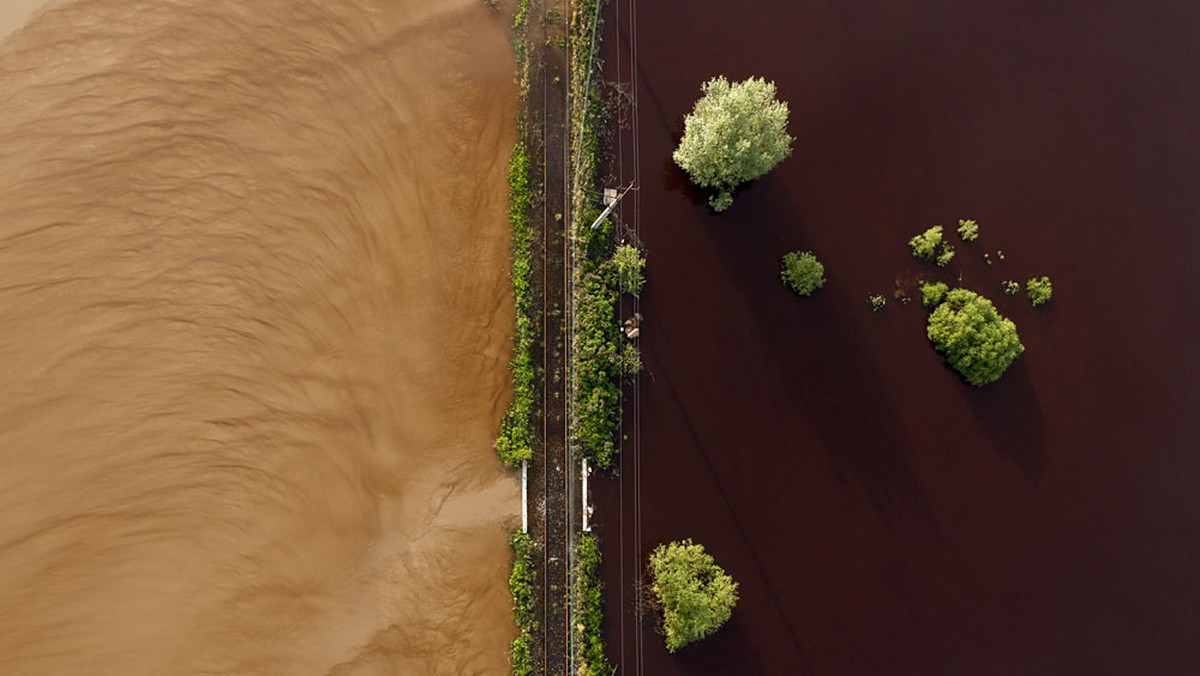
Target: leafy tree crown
x,y
802,272
736,133
973,338
1039,290
695,594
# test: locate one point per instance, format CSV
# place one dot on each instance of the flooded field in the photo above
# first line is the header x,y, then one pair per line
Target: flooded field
x,y
881,516
256,318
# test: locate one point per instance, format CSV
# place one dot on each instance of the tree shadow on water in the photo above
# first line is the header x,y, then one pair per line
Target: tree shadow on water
x,y
829,373
1008,413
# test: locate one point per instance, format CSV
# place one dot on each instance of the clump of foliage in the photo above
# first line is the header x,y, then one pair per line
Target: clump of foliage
x,y
521,585
931,245
596,366
802,272
944,256
1039,290
589,610
515,442
695,595
972,337
736,133
1011,287
933,294
631,360
630,267
968,230
877,301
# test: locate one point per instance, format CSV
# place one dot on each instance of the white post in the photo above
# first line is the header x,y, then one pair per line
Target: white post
x,y
524,497
586,507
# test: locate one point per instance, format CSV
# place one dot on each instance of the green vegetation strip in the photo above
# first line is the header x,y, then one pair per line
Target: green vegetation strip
x,y
521,582
515,443
596,339
589,613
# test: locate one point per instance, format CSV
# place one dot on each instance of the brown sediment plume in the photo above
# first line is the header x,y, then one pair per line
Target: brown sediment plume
x,y
253,266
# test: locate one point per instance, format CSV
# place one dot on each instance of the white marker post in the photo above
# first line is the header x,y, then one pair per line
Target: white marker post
x,y
524,496
587,510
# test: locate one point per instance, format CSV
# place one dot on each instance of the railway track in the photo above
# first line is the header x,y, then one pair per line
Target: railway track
x,y
552,466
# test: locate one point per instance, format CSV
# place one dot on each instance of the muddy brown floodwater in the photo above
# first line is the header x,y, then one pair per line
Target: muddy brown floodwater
x,y
255,311
883,517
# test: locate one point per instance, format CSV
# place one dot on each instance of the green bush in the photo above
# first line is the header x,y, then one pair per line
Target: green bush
x,y
695,595
925,245
972,337
736,133
631,360
589,608
630,266
802,272
598,406
515,442
1011,288
932,295
968,230
1039,290
877,302
521,583
943,257
930,245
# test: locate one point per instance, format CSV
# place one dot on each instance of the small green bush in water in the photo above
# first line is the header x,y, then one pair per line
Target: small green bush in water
x,y
1011,287
932,295
802,272
972,337
930,245
1039,290
877,302
968,230
631,360
630,267
695,595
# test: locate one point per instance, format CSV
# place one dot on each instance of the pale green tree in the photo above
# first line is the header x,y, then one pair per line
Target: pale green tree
x,y
736,133
695,594
973,338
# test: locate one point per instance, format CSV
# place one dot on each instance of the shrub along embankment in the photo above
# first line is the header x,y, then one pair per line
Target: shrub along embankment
x,y
515,442
521,583
589,613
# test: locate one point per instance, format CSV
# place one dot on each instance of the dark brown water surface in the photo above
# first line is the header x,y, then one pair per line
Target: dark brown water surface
x,y
881,516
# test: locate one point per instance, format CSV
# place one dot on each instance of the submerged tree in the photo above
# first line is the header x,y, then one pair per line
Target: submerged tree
x,y
736,133
930,245
695,594
1039,290
933,294
968,230
972,337
802,272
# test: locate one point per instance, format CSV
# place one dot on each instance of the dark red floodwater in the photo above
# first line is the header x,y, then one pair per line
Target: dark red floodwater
x,y
881,516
